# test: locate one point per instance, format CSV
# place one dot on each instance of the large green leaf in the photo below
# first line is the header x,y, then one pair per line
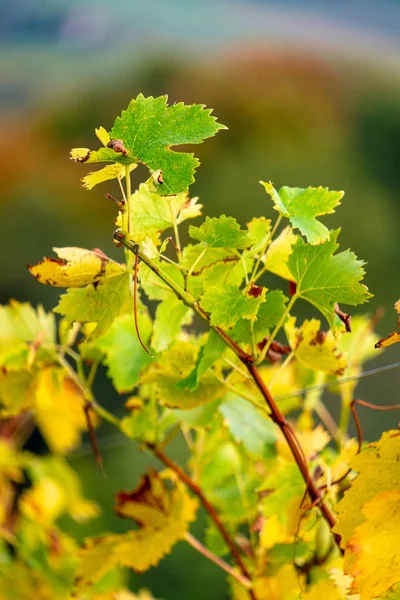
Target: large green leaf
x,y
148,129
123,353
324,278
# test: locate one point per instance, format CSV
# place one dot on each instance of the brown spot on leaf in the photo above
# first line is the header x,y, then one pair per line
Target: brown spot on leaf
x,y
117,146
292,288
255,290
319,338
83,159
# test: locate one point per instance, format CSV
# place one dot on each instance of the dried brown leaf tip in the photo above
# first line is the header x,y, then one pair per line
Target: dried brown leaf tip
x,y
275,351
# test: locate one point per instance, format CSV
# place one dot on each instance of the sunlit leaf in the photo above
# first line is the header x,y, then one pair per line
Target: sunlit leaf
x,y
223,232
163,515
301,206
276,260
123,353
75,267
171,367
58,410
99,304
316,349
147,130
227,304
324,278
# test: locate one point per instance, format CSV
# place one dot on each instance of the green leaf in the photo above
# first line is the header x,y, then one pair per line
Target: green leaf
x,y
209,353
123,353
148,129
282,488
224,232
259,233
147,423
324,278
99,304
268,315
170,368
227,304
171,315
255,431
302,205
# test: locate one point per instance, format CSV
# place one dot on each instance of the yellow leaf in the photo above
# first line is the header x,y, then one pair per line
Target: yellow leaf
x,y
59,410
316,349
163,515
75,267
272,532
378,471
372,555
44,502
394,337
103,135
324,590
279,252
80,154
311,442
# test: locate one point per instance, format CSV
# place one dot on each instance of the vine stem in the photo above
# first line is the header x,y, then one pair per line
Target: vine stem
x,y
248,362
194,542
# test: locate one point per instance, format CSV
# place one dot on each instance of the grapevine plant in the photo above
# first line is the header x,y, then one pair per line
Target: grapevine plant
x,y
295,507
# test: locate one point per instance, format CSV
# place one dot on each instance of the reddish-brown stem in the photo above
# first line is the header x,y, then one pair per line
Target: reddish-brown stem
x,y
192,485
367,405
294,445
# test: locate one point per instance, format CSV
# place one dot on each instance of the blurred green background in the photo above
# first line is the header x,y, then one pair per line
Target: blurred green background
x,y
310,92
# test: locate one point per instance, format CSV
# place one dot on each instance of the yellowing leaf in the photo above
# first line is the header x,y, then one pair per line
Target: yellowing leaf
x,y
113,171
392,338
43,503
372,555
316,349
163,515
75,267
312,442
278,254
99,304
173,366
59,410
378,472
324,590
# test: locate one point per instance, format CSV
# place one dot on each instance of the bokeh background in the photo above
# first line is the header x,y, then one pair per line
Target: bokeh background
x,y
310,92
